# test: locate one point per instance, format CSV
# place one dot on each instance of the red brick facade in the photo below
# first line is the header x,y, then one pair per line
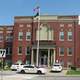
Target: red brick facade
x,y
57,24
6,40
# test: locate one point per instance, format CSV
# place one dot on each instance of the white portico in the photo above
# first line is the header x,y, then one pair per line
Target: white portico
x,y
47,55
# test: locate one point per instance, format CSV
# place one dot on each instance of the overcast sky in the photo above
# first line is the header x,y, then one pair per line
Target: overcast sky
x,y
11,8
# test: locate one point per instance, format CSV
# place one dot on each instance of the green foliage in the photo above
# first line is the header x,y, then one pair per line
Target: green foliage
x,y
5,65
73,72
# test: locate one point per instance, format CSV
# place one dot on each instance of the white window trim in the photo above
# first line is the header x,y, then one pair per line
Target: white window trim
x,y
59,52
26,51
18,52
9,38
8,51
68,36
19,36
68,52
60,36
26,36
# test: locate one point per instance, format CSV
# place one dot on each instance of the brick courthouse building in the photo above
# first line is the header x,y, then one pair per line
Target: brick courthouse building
x,y
59,40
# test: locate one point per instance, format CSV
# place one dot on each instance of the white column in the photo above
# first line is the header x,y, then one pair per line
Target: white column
x,y
54,56
32,59
48,57
51,58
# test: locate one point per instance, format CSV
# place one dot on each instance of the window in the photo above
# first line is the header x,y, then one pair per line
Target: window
x,y
9,37
69,50
61,36
28,35
1,36
20,36
69,36
20,50
28,50
61,51
8,50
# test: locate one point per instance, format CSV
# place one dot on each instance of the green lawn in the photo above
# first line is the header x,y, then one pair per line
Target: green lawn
x,y
73,72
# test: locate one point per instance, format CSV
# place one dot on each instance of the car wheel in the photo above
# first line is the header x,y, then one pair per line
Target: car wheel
x,y
13,69
22,71
39,72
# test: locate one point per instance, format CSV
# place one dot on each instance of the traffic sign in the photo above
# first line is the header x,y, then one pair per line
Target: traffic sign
x,y
2,53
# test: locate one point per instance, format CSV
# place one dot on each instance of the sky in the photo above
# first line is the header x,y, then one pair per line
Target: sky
x,y
11,8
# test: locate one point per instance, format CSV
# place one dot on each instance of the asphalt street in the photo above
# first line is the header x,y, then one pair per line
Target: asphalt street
x,y
6,73
55,78
13,75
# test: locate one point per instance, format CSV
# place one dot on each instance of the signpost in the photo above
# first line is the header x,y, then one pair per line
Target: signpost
x,y
2,55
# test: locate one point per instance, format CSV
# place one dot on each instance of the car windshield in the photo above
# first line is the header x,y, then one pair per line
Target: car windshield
x,y
56,65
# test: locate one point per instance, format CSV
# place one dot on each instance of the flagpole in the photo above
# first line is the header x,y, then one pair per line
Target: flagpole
x,y
38,20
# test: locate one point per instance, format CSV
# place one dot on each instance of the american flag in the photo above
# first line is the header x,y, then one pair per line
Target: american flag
x,y
36,10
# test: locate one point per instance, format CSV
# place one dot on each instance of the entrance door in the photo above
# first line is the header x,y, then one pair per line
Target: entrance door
x,y
43,60
43,57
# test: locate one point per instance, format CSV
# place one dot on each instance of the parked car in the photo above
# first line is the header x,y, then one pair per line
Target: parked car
x,y
31,69
15,66
57,67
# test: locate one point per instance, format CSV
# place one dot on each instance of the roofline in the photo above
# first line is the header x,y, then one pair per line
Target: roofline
x,y
42,15
6,25
23,17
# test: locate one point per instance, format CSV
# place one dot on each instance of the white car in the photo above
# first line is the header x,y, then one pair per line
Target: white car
x,y
31,69
15,66
57,67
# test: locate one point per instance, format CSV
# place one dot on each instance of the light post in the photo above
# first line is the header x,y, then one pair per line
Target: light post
x,y
38,19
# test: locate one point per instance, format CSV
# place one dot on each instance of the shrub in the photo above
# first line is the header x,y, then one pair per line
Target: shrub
x,y
73,68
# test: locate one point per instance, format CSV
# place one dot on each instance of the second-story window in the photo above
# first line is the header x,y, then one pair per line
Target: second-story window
x,y
20,36
1,37
69,36
61,36
9,37
28,36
